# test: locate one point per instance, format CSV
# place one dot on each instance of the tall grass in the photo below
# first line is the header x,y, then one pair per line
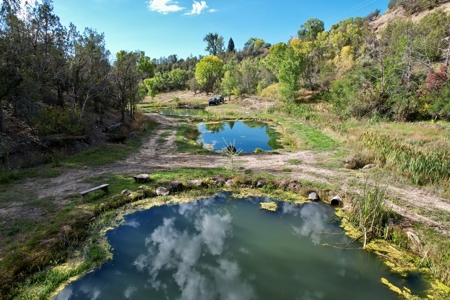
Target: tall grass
x,y
420,165
370,214
436,252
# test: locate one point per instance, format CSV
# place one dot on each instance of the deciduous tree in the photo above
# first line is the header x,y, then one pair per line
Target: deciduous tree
x,y
207,71
310,29
126,78
214,44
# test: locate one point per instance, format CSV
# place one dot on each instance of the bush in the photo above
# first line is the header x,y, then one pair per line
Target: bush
x,y
56,120
393,4
270,92
344,95
439,105
414,6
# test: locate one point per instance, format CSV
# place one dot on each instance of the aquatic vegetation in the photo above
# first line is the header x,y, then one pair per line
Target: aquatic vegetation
x,y
271,206
369,213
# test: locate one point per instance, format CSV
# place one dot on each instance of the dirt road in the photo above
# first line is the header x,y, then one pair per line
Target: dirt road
x,y
410,201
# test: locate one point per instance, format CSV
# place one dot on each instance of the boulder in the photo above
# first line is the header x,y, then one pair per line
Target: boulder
x,y
218,180
125,192
260,183
369,166
175,186
291,185
141,178
354,163
313,196
229,182
336,200
162,191
195,182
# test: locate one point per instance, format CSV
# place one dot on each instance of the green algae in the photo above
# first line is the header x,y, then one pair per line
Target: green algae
x,y
399,260
270,206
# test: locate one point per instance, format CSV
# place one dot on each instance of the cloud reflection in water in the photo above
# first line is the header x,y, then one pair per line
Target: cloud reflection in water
x,y
315,221
180,251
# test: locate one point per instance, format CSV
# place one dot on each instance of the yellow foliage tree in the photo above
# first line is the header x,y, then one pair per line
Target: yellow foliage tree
x,y
345,61
207,71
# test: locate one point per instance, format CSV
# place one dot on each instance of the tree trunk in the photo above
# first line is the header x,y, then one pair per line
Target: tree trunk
x,y
122,111
2,119
60,97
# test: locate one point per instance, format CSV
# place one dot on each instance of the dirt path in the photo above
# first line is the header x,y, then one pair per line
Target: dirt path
x,y
162,154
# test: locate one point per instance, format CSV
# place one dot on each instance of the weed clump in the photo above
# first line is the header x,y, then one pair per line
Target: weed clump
x,y
421,166
370,214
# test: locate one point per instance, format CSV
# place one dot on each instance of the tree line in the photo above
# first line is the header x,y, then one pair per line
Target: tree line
x,y
397,73
52,75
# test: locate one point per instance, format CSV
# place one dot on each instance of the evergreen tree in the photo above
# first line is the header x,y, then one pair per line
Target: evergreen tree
x,y
230,45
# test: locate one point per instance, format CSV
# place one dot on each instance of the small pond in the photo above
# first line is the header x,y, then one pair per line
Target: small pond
x,y
247,135
226,248
184,112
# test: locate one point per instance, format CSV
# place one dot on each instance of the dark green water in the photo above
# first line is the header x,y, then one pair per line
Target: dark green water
x,y
247,135
184,112
224,248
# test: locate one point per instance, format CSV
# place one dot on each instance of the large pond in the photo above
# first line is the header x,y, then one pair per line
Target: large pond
x,y
246,136
226,248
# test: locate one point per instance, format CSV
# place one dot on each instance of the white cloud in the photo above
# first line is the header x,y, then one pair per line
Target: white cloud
x,y
243,250
314,221
214,229
197,8
292,209
169,249
164,6
229,283
212,10
129,291
90,291
132,223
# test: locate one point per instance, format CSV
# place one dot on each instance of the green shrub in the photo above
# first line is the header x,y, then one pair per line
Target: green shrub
x,y
344,95
270,92
258,150
439,105
56,120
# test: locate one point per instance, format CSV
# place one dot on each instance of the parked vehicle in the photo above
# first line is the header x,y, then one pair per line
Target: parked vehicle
x,y
220,99
216,100
213,101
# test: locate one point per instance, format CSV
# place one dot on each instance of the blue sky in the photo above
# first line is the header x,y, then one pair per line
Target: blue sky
x,y
165,27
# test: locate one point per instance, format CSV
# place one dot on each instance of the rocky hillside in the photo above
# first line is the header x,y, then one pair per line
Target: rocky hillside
x,y
392,14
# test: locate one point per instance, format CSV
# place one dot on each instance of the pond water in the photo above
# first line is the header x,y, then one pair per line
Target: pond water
x,y
184,112
225,248
246,135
